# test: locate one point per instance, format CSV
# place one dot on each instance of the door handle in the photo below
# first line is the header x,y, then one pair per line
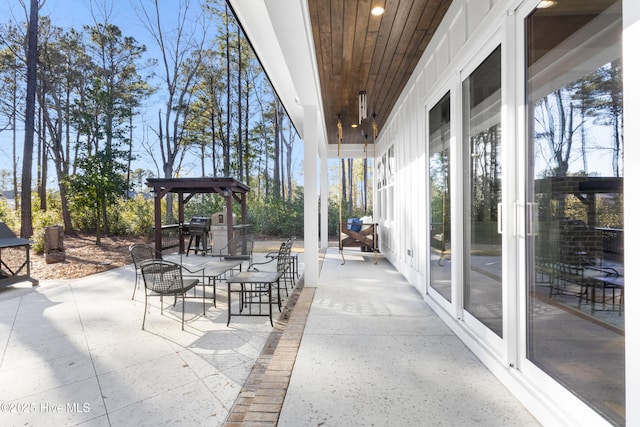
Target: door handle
x,y
532,219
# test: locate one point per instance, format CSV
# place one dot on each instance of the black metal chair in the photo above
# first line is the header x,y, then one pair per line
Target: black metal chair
x,y
289,271
284,264
164,278
139,253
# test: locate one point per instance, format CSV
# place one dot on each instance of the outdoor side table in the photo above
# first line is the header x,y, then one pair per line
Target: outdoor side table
x,y
210,272
254,290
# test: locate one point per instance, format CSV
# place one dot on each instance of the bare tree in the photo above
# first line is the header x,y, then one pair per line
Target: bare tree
x,y
239,149
288,141
182,52
556,131
226,152
277,182
63,74
12,70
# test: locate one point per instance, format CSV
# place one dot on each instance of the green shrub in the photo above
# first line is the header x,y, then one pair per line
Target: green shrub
x,y
277,217
135,216
82,216
9,216
42,219
132,217
203,205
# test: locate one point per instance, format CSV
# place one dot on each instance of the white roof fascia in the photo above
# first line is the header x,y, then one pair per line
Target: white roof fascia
x,y
282,38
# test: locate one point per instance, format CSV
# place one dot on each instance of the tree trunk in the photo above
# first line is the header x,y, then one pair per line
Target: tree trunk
x,y
105,219
365,185
276,149
240,146
97,219
60,154
14,123
247,145
226,150
350,178
130,157
289,166
213,143
344,181
26,229
287,142
203,154
43,166
66,214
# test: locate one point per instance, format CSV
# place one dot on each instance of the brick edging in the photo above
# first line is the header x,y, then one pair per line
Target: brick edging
x,y
262,396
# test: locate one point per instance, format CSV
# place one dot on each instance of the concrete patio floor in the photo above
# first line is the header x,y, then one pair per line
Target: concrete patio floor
x,y
374,354
73,353
360,349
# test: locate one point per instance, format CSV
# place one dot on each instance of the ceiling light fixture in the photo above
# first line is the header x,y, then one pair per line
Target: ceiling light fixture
x,y
377,10
544,4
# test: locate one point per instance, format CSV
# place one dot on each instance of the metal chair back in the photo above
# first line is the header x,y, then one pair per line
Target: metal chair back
x,y
164,278
139,253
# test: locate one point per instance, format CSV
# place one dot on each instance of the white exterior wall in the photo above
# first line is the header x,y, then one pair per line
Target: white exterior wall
x,y
471,30
404,238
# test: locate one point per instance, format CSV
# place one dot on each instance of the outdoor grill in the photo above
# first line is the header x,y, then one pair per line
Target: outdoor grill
x,y
199,228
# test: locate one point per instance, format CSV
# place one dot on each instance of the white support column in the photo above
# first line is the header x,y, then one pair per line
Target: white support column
x,y
324,202
311,196
631,94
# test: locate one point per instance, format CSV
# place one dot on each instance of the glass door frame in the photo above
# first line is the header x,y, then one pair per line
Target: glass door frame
x,y
496,344
452,87
538,379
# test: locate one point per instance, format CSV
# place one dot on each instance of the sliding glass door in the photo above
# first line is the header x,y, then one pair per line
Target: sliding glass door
x,y
482,101
439,180
575,226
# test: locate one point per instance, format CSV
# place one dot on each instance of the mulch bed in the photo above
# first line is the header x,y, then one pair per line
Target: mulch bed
x,y
83,257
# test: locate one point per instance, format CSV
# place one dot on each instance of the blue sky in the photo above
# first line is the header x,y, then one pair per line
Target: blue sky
x,y
76,14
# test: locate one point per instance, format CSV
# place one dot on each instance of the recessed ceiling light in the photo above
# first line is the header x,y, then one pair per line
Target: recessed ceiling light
x,y
354,125
377,11
544,4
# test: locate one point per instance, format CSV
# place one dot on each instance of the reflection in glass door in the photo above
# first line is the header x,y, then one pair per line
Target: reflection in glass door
x,y
575,227
482,193
439,136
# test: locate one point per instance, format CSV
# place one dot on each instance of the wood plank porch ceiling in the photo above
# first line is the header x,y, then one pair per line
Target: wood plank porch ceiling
x,y
357,51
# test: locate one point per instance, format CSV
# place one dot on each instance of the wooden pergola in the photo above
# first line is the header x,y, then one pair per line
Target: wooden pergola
x,y
228,188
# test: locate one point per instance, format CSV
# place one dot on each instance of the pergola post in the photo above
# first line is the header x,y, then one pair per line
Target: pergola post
x,y
243,207
181,220
157,220
229,205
